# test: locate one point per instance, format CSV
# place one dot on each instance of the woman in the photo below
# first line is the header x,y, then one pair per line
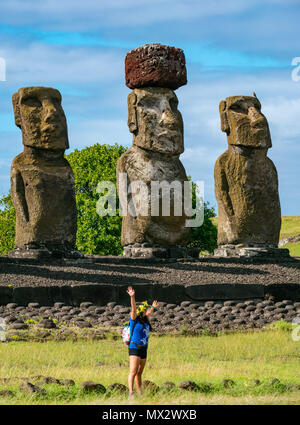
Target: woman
x,y
139,331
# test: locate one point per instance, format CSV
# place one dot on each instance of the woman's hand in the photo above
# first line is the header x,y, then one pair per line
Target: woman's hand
x,y
130,291
151,310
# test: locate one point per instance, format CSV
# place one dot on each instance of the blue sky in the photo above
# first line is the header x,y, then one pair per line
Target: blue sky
x,y
232,47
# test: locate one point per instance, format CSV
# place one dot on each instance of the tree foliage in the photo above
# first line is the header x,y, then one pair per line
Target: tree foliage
x,y
91,165
7,224
95,234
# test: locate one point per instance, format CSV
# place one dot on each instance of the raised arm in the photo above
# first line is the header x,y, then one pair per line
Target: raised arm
x,y
153,308
131,293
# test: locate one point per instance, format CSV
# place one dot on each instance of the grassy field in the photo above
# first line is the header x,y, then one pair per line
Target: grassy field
x,y
290,227
242,357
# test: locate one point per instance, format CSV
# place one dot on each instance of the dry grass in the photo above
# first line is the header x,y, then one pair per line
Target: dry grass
x,y
242,357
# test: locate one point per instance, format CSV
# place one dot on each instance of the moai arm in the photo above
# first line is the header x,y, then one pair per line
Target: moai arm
x,y
18,194
222,189
122,183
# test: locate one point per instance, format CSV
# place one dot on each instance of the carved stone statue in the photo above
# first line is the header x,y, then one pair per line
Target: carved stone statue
x,y
42,181
157,128
246,182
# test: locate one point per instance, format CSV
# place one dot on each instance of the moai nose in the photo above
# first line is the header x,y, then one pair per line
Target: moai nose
x,y
50,111
255,116
167,116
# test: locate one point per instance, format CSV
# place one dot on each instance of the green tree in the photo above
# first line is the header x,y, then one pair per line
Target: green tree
x,y
205,236
95,234
91,165
7,224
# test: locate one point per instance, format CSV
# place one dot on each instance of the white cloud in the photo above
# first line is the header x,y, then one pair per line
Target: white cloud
x,y
90,15
94,99
40,63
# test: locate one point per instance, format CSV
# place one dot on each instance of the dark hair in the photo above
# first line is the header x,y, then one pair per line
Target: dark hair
x,y
145,320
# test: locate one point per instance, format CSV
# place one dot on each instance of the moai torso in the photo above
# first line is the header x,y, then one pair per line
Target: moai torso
x,y
142,165
43,196
246,182
157,128
42,181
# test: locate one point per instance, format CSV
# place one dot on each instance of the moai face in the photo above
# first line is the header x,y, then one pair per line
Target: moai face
x,y
39,114
244,123
155,121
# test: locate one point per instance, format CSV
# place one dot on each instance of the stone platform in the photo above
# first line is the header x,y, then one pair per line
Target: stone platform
x,y
186,315
251,251
146,250
101,280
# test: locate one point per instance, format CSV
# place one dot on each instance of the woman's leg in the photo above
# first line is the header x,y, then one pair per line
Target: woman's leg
x,y
134,362
138,376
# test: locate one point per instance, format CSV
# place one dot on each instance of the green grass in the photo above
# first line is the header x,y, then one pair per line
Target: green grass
x,y
294,249
241,356
290,226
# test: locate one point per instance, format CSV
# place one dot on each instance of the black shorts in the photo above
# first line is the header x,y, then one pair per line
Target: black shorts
x,y
140,352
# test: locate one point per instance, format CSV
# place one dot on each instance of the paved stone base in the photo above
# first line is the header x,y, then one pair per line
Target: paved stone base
x,y
251,251
101,294
193,316
146,250
44,253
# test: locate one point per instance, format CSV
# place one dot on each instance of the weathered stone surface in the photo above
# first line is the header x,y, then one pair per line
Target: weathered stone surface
x,y
156,252
85,305
49,380
246,182
12,305
168,386
42,181
88,386
251,251
157,129
82,323
204,387
188,385
150,386
47,324
116,387
6,393
228,383
67,382
28,387
155,65
33,305
18,325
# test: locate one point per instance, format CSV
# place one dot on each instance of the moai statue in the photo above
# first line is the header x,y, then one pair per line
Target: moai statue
x,y
153,72
246,183
42,181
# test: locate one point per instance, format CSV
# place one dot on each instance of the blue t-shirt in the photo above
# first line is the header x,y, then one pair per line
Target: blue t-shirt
x,y
140,333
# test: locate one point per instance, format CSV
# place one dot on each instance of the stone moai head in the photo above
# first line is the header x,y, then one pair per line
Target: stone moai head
x,y
155,121
39,114
154,71
243,122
